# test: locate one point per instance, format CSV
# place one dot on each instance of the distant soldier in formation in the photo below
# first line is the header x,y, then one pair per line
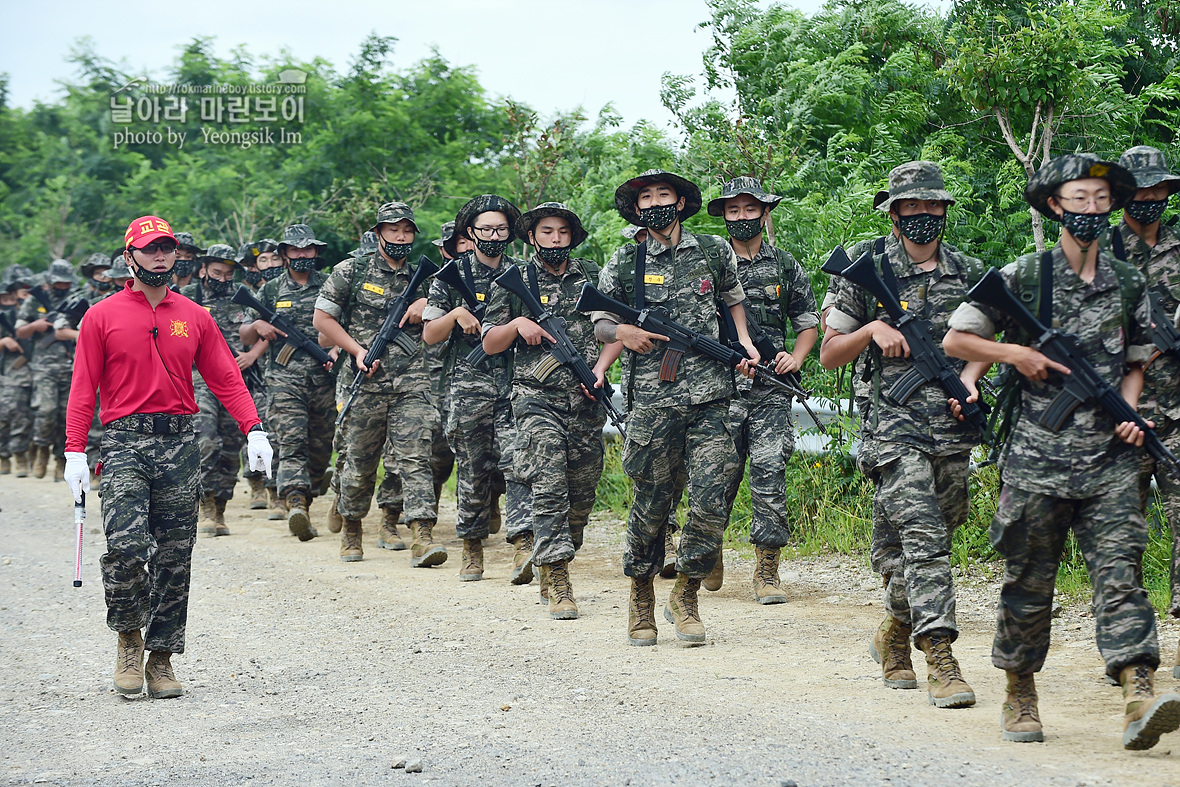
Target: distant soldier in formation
x,y
16,376
187,252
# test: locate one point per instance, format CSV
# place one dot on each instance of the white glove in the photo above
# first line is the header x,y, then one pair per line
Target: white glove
x,y
258,452
77,474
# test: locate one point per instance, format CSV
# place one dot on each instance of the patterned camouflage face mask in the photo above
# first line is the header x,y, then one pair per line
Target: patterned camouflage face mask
x,y
1147,211
554,256
491,248
1085,226
253,277
658,217
397,251
183,268
303,264
921,228
743,229
269,274
153,278
218,288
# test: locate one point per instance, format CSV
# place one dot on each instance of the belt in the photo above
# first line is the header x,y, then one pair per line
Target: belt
x,y
152,423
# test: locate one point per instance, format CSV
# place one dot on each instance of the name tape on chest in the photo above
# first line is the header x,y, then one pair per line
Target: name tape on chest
x,y
481,297
653,278
374,288
544,299
284,305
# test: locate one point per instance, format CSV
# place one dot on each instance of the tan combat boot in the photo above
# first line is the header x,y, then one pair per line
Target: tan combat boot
x,y
257,493
641,613
669,569
59,469
423,551
297,519
21,464
890,648
681,610
388,537
350,541
335,521
221,529
278,509
561,593
947,687
543,581
161,682
494,518
1019,720
472,570
129,663
1148,717
5,465
40,460
716,577
522,560
768,588
208,515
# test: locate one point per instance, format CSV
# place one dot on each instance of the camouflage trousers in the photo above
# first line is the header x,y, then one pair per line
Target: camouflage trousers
x,y
389,491
1029,530
51,393
261,401
760,423
482,433
442,462
403,421
16,419
559,455
301,418
220,441
918,501
149,514
1169,498
660,441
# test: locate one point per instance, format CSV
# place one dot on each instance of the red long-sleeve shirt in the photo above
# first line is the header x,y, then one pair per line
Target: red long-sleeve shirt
x,y
141,361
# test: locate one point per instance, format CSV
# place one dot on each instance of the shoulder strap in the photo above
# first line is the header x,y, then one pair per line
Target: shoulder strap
x,y
785,276
531,270
713,260
887,274
640,279
360,269
1045,291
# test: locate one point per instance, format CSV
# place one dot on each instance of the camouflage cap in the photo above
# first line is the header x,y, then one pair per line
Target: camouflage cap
x,y
446,232
1149,168
61,271
185,240
16,276
1076,166
300,236
393,212
219,252
119,269
246,253
93,263
742,185
525,224
483,204
913,180
626,194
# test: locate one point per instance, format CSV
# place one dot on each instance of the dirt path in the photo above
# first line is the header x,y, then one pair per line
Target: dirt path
x,y
303,669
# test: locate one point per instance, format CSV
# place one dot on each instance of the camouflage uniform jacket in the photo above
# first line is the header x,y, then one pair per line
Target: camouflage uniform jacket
x,y
772,280
48,351
681,282
1161,267
228,315
92,297
357,293
1085,458
296,302
9,376
924,421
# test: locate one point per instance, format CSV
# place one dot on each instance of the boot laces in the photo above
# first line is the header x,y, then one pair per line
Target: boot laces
x,y
767,571
645,600
525,542
944,659
129,654
1140,682
160,669
689,599
559,583
897,647
1026,699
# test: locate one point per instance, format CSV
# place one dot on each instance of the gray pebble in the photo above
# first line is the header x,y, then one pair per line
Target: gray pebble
x,y
414,766
399,763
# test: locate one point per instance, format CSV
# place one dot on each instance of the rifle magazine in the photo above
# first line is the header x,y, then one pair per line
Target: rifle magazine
x,y
669,365
284,356
405,343
901,391
545,367
1059,409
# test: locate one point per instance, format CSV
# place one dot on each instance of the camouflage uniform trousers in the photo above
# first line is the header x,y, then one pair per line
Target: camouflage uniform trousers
x,y
1169,496
760,423
261,399
16,419
661,440
220,441
301,418
389,492
1029,530
149,514
404,422
559,455
919,500
442,462
51,392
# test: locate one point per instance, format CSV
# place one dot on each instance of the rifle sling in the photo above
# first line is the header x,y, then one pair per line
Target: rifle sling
x,y
640,271
1045,307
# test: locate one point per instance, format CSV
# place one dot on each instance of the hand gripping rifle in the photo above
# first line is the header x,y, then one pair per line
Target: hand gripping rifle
x,y
8,323
681,338
73,308
296,340
562,351
451,276
930,363
1082,383
1163,331
391,330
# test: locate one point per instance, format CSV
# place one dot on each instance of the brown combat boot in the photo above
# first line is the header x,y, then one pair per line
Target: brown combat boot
x,y
522,560
335,521
59,469
5,465
472,570
768,588
219,507
350,542
543,581
40,460
129,663
494,518
21,464
1019,720
1148,717
682,612
423,551
890,647
641,613
208,515
297,519
947,687
716,577
669,569
161,682
388,537
278,509
561,593
257,493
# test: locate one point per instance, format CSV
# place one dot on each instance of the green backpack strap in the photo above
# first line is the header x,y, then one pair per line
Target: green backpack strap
x,y
712,252
360,269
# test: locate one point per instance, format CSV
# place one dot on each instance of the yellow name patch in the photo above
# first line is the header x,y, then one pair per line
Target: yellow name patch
x,y
41,309
544,299
904,304
283,305
479,296
652,278
374,288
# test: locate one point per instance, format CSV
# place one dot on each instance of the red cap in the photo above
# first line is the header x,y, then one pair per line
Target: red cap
x,y
146,229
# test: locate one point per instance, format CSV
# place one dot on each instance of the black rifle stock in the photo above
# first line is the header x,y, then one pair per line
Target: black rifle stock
x,y
1082,383
73,308
391,330
451,276
296,339
930,363
562,350
1163,332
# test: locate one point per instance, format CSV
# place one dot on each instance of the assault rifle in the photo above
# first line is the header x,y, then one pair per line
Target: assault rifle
x,y
681,338
930,363
451,276
391,330
8,322
562,351
296,339
73,308
1163,331
1082,383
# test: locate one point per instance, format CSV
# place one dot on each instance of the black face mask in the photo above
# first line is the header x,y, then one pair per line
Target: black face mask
x,y
1085,226
183,268
270,274
554,256
1147,211
658,217
743,229
103,286
303,264
491,248
218,288
153,278
921,228
396,251
252,277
